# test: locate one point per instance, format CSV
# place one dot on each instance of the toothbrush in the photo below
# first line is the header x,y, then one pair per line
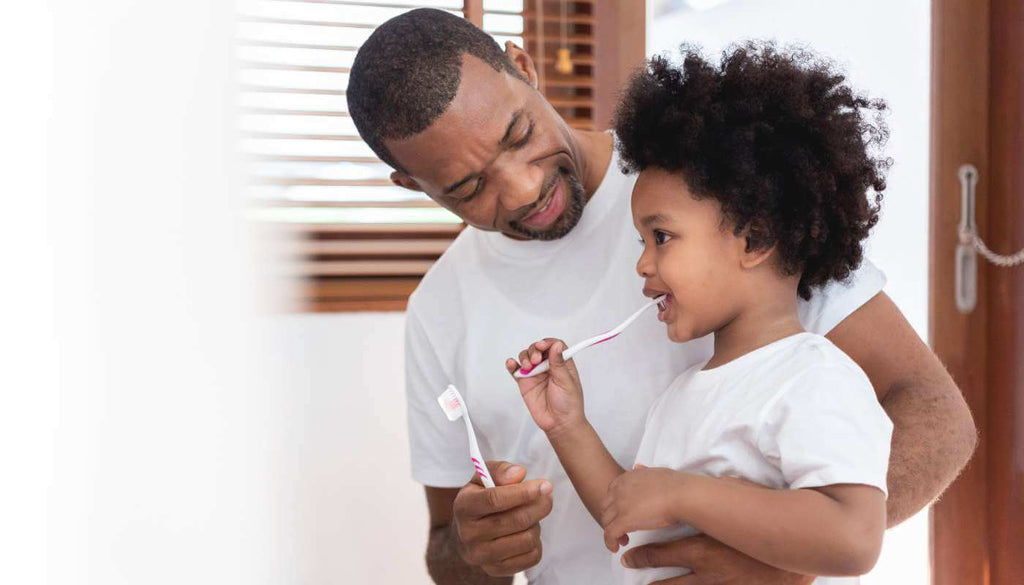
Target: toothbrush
x,y
455,407
575,349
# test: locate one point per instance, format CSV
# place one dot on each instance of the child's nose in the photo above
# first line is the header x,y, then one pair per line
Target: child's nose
x,y
644,265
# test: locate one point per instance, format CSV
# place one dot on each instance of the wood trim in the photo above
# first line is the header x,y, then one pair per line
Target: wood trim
x,y
978,117
959,539
354,294
620,47
474,11
1004,231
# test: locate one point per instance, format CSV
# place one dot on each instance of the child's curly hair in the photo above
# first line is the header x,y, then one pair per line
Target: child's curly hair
x,y
777,138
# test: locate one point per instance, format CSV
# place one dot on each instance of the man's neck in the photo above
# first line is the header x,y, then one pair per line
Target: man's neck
x,y
594,156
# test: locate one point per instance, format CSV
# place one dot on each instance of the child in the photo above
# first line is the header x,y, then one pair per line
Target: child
x,y
753,191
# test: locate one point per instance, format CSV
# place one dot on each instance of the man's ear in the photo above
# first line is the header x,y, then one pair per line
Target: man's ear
x,y
523,62
758,243
405,181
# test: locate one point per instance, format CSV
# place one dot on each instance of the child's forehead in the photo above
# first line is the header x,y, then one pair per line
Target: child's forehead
x,y
661,196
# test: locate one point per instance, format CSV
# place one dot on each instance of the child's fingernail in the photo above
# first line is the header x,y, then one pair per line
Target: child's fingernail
x,y
546,488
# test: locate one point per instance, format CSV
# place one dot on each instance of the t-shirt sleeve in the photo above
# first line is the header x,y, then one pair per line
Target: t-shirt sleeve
x,y
438,448
827,428
837,300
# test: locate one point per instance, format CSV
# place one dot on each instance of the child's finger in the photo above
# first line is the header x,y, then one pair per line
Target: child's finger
x,y
611,538
524,357
511,365
639,466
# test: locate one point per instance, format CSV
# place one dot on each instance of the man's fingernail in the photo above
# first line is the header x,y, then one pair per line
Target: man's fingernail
x,y
546,488
512,470
627,561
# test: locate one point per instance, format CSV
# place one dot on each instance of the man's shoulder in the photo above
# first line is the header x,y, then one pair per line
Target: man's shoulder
x,y
441,280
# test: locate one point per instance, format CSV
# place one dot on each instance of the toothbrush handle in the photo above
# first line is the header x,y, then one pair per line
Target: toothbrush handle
x,y
566,355
474,454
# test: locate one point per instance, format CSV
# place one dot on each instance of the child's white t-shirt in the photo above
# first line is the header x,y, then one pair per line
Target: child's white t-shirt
x,y
796,413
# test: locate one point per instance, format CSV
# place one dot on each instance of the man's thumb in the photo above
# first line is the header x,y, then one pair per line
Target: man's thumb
x,y
505,473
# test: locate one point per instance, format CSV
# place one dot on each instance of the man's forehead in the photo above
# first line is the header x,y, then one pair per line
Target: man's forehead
x,y
472,125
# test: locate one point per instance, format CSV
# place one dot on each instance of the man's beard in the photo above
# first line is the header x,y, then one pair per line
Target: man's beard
x,y
576,200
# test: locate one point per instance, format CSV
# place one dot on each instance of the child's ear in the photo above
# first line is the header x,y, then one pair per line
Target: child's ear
x,y
759,243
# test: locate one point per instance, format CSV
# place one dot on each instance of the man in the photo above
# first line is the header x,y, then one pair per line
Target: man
x,y
550,250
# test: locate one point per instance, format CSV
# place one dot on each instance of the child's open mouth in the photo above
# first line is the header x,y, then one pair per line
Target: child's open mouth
x,y
663,308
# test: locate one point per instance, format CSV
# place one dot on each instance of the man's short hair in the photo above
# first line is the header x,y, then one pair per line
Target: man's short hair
x,y
407,73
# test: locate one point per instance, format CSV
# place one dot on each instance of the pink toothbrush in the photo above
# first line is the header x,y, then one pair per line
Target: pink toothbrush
x,y
455,408
575,349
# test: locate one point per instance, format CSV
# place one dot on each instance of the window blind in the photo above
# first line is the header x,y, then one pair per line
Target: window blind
x,y
345,237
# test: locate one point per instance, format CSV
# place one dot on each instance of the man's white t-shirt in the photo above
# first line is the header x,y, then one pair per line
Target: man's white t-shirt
x,y
796,413
488,297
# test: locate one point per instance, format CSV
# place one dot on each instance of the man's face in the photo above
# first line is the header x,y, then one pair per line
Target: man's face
x,y
500,157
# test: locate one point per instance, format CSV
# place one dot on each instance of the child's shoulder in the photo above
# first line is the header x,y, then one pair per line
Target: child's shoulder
x,y
808,356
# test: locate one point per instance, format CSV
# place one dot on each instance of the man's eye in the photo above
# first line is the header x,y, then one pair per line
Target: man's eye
x,y
524,140
476,191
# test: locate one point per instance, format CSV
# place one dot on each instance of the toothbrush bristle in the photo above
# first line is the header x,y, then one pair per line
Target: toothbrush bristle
x,y
450,404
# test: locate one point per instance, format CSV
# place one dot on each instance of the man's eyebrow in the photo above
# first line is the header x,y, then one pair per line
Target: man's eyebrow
x,y
653,219
503,143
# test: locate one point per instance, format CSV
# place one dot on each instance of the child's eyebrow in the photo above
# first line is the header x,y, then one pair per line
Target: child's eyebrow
x,y
653,219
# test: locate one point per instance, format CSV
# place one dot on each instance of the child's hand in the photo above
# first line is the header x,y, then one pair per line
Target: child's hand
x,y
554,398
642,499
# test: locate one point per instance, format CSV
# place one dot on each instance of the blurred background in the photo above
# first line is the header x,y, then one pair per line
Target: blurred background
x,y
206,269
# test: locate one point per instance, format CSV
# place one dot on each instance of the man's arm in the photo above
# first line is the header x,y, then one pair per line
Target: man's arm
x,y
481,536
933,431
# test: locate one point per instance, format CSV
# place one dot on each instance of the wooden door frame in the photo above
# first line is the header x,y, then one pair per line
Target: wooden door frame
x,y
977,532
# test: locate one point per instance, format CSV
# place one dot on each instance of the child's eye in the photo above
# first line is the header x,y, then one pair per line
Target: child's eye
x,y
661,237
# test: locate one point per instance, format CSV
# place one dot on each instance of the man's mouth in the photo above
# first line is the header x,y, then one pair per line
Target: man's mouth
x,y
549,212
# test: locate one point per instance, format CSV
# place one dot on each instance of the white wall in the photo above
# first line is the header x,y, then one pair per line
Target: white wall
x,y
885,49
351,510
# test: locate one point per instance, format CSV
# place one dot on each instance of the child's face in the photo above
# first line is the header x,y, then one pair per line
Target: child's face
x,y
690,254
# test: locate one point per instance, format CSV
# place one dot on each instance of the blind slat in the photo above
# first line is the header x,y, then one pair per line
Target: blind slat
x,y
361,268
287,136
276,89
315,159
281,112
286,67
295,21
284,45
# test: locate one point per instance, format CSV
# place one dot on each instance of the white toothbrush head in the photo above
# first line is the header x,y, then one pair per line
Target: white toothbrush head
x,y
451,403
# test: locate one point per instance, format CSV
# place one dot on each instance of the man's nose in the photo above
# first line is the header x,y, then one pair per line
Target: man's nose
x,y
520,186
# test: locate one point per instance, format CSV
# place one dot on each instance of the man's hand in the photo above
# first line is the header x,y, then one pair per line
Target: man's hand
x,y
498,528
712,563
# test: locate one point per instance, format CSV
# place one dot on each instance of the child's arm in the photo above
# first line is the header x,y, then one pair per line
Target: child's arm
x,y
832,530
555,401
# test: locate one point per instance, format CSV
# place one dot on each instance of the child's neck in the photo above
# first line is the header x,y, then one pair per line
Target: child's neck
x,y
770,318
